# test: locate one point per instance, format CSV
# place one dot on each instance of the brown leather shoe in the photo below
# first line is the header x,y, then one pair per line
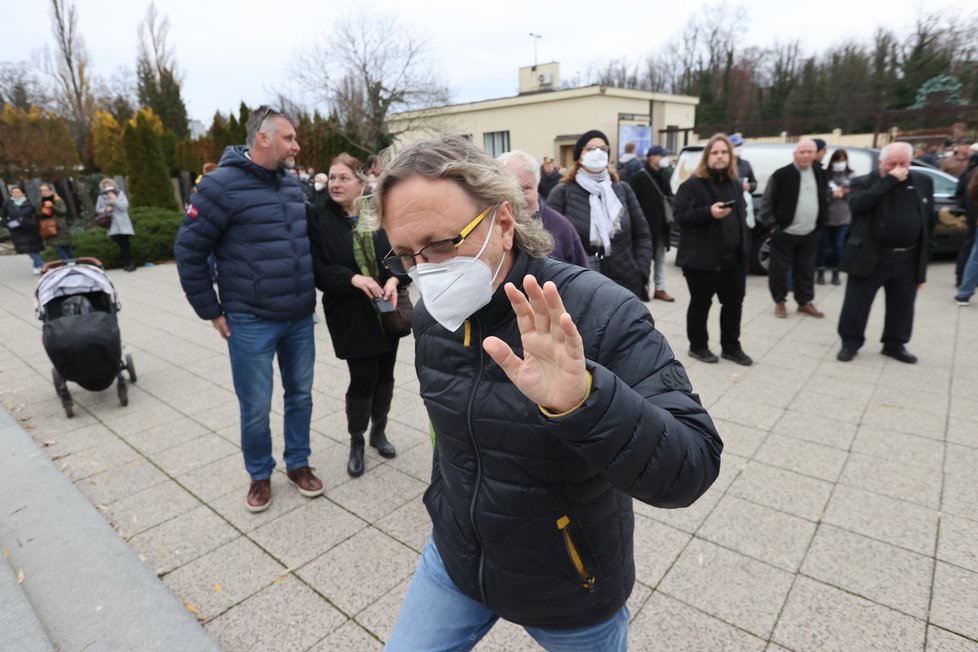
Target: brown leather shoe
x,y
259,496
810,309
309,485
662,295
780,311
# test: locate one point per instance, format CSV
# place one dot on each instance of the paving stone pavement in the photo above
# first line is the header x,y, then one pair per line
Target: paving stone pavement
x,y
845,516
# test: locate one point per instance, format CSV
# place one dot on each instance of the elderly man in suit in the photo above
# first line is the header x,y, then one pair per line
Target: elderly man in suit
x,y
888,247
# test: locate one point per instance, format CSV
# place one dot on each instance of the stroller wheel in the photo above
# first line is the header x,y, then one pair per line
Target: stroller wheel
x,y
130,368
122,390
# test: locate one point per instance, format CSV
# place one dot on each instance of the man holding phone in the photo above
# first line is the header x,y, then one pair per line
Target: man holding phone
x,y
714,249
795,205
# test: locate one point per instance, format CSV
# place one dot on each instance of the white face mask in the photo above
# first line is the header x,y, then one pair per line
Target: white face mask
x,y
455,289
319,186
737,151
596,160
839,166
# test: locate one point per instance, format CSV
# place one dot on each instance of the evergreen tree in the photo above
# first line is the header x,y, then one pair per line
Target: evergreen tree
x,y
149,182
109,153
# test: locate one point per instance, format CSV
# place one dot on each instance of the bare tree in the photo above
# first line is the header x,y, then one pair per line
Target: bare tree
x,y
20,86
367,68
68,69
159,84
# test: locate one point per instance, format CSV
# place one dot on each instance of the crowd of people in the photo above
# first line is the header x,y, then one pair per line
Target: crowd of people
x,y
552,399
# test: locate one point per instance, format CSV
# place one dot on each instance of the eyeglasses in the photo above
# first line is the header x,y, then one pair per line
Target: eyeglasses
x,y
436,251
269,112
591,148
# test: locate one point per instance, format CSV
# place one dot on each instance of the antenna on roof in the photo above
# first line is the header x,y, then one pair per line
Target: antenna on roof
x,y
536,37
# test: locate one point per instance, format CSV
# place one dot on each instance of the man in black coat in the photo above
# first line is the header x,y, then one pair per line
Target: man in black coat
x,y
888,247
796,205
654,194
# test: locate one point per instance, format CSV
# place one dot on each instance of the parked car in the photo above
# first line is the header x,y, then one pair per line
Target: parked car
x,y
950,229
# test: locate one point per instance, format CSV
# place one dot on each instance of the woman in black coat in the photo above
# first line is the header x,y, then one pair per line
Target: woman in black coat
x,y
19,217
349,303
606,215
714,247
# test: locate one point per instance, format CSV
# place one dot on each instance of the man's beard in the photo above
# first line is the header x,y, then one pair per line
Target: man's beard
x,y
287,163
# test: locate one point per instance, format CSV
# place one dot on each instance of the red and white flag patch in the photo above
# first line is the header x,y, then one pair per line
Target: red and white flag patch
x,y
191,211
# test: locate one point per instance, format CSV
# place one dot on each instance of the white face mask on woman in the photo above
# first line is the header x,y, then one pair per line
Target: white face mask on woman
x,y
457,288
839,166
595,161
319,186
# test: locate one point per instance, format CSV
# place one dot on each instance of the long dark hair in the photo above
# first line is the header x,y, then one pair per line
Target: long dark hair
x,y
973,186
838,155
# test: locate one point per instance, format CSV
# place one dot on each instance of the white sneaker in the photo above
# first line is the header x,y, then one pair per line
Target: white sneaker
x,y
37,271
962,302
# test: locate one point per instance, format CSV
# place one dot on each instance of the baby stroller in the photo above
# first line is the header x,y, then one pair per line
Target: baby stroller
x,y
78,305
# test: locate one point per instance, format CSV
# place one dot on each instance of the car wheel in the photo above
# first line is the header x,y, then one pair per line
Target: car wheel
x,y
761,258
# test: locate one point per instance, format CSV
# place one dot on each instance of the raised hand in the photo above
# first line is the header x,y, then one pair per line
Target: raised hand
x,y
551,373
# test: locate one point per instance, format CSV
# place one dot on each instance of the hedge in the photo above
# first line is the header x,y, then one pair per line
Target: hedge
x,y
156,231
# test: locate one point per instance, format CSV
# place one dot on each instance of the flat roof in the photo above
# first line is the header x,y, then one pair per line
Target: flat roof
x,y
542,97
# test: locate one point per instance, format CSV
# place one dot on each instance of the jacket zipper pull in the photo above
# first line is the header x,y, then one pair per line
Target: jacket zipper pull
x,y
575,556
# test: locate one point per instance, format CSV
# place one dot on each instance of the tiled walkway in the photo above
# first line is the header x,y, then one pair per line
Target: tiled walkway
x,y
845,516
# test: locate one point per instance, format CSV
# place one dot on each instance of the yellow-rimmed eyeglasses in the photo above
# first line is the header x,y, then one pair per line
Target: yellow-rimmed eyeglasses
x,y
435,252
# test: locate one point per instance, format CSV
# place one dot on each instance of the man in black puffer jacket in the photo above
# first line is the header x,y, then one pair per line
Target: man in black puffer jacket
x,y
553,400
252,215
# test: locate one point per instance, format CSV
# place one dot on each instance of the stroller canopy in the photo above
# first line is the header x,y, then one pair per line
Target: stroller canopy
x,y
70,280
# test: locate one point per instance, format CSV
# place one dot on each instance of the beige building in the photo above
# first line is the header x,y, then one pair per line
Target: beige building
x,y
547,122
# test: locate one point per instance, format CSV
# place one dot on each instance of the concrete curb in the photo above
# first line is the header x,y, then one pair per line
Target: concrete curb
x,y
86,586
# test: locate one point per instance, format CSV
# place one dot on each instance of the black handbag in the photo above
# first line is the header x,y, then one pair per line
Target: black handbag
x,y
398,322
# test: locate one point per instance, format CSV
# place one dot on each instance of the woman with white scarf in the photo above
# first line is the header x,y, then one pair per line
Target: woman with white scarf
x,y
606,214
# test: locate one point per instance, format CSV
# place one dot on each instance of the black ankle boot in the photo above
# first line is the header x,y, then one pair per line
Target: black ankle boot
x,y
357,417
354,465
820,277
378,416
835,277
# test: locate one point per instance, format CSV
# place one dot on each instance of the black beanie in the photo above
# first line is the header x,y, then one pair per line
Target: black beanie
x,y
582,141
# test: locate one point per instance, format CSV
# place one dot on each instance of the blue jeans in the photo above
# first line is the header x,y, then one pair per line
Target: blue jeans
x,y
834,238
253,344
436,616
64,252
969,277
36,259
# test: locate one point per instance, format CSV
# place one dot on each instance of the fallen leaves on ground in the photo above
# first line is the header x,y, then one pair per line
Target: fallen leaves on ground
x,y
20,576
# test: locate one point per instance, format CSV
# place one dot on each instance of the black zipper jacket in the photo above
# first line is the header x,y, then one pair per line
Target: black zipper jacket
x,y
533,516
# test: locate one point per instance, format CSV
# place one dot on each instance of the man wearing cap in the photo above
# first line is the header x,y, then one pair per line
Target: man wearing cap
x,y
654,194
745,172
795,204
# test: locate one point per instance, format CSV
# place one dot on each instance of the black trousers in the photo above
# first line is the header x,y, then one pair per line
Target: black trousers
x,y
122,241
729,285
797,251
369,372
896,273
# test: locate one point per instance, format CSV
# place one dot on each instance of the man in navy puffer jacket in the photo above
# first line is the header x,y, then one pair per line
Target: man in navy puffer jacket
x,y
251,214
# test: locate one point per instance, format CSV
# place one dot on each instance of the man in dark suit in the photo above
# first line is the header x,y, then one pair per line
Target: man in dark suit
x,y
888,247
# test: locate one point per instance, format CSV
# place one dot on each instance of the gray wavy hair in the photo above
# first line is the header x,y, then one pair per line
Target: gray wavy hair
x,y
482,177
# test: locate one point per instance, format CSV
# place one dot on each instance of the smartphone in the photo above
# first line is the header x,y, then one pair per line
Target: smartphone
x,y
383,305
729,204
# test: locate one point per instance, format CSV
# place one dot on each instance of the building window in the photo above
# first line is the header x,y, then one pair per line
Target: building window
x,y
496,142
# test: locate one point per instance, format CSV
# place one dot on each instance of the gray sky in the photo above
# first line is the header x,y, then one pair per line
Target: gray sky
x,y
229,51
